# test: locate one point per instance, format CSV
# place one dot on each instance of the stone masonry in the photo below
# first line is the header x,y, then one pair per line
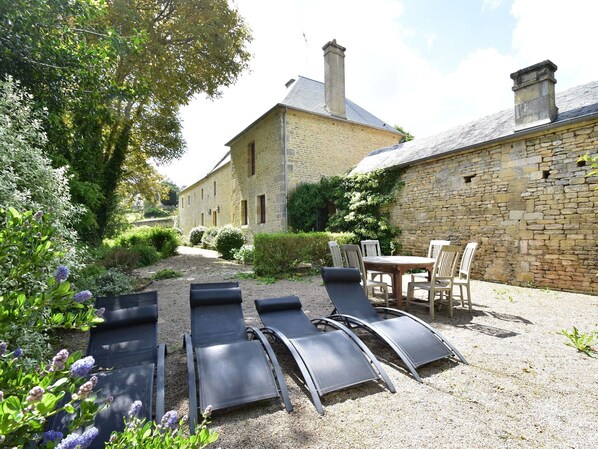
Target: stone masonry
x,y
526,201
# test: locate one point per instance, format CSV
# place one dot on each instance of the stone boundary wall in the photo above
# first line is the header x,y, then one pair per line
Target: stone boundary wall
x,y
527,202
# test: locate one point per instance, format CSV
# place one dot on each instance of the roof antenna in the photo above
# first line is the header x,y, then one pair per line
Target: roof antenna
x,y
306,52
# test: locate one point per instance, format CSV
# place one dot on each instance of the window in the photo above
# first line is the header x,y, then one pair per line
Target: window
x,y
202,223
182,203
214,219
202,194
214,188
188,200
251,159
244,212
261,208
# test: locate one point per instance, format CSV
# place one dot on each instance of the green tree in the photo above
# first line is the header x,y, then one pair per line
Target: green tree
x,y
112,76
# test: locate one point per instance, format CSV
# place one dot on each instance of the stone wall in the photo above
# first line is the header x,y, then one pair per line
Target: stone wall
x,y
197,203
526,202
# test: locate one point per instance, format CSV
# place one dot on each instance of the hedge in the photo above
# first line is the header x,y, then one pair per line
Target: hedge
x,y
283,253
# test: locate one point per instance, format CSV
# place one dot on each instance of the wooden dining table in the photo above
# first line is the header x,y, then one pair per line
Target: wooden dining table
x,y
396,267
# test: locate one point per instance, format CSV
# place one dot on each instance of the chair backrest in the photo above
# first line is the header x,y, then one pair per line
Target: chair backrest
x,y
446,263
129,333
346,293
370,248
435,246
216,316
466,259
335,251
354,258
285,314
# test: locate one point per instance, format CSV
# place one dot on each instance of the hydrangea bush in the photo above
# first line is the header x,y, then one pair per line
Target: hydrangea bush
x,y
29,397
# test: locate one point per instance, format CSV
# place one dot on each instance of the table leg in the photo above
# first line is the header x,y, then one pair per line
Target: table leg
x,y
399,284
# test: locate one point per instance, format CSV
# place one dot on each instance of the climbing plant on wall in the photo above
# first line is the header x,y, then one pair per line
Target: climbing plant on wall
x,y
357,203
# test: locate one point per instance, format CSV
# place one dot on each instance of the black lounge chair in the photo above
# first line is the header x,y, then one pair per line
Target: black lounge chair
x,y
235,363
126,350
414,341
328,361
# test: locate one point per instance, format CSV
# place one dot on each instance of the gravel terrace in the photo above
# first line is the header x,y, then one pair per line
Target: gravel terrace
x,y
523,387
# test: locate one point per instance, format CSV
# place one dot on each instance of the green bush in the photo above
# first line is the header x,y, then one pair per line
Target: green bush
x,y
164,240
148,255
105,282
155,212
283,253
229,239
244,254
208,239
196,235
122,259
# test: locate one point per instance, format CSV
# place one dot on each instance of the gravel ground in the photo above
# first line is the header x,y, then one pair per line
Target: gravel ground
x,y
523,387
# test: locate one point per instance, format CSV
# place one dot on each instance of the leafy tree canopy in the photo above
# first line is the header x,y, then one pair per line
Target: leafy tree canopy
x,y
112,76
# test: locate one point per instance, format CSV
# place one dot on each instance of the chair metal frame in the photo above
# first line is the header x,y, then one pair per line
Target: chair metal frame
x,y
413,340
287,312
221,295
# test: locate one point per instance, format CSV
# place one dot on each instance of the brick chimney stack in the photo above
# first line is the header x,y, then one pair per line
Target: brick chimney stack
x,y
534,95
334,78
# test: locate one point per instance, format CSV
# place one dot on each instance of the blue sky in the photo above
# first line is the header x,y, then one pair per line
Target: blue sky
x,y
426,65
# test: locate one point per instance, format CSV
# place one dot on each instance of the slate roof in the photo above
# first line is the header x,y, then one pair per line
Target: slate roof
x,y
309,95
573,104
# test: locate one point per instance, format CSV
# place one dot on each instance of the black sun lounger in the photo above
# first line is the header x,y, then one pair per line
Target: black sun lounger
x,y
328,361
125,347
414,341
235,363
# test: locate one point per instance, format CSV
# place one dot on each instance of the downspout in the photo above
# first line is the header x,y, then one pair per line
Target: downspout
x,y
284,170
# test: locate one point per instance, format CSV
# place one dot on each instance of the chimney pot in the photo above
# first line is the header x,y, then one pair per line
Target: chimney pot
x,y
534,95
334,78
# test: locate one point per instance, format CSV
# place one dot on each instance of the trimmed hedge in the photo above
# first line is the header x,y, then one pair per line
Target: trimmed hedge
x,y
283,253
164,240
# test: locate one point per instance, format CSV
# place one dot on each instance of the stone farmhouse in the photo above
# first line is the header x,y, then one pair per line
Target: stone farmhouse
x,y
512,182
315,131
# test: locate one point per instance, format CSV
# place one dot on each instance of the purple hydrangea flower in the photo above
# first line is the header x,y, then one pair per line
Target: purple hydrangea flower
x,y
51,435
38,216
2,347
70,442
134,410
100,312
87,437
61,274
85,389
17,353
82,296
169,419
1,395
81,367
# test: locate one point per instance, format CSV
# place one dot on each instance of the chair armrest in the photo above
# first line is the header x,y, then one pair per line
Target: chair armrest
x,y
160,382
192,384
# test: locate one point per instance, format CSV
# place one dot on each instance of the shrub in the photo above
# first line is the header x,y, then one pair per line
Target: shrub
x,y
122,259
31,396
208,239
229,239
169,434
283,253
155,212
196,234
244,254
27,179
164,240
104,282
147,254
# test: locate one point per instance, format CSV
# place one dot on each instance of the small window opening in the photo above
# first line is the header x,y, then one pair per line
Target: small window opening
x,y
545,174
468,178
581,163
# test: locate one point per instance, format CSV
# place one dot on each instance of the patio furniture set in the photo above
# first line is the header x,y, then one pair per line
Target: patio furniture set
x,y
231,364
440,279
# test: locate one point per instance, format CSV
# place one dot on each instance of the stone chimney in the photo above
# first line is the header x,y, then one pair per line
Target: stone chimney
x,y
534,95
334,78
